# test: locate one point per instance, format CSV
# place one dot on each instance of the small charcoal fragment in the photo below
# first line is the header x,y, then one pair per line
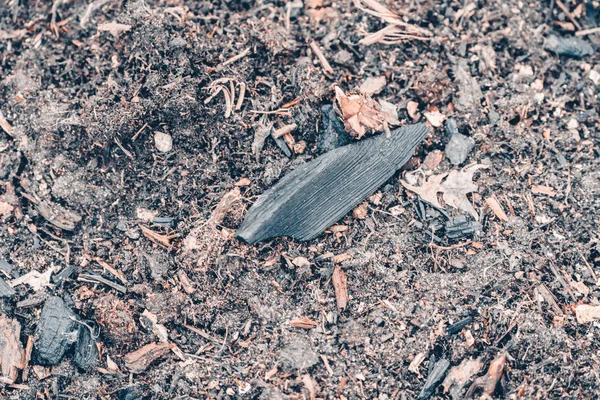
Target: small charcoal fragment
x,y
5,290
86,351
460,226
458,326
64,274
56,331
333,133
317,194
434,379
568,46
167,222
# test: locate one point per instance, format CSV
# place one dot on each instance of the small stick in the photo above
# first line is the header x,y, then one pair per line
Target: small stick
x,y
118,274
98,279
228,102
127,153
284,129
568,13
238,57
138,132
453,247
324,63
278,112
588,31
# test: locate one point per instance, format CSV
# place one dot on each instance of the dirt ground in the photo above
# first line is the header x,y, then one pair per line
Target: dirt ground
x,y
86,191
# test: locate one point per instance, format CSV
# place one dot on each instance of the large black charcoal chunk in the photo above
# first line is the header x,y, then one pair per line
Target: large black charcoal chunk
x,y
568,46
86,351
317,194
56,331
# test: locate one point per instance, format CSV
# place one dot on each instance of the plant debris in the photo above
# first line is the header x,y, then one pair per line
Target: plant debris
x,y
57,330
359,112
568,46
344,177
11,349
455,188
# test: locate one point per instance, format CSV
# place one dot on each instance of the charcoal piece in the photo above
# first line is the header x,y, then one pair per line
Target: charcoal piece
x,y
333,134
5,290
167,222
436,376
568,46
130,393
64,274
317,194
459,227
56,331
282,144
458,326
86,351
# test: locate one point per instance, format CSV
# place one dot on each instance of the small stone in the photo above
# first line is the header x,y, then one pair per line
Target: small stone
x,y
595,77
412,108
163,142
573,124
458,148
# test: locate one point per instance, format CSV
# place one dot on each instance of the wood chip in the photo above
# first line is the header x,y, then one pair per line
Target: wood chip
x,y
41,372
114,27
324,63
243,182
494,204
416,362
283,130
340,258
11,349
361,211
489,382
303,323
341,288
373,85
310,385
540,189
5,125
26,359
586,313
139,360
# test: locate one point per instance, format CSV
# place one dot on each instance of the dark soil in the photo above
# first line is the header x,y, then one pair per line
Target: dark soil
x,y
85,104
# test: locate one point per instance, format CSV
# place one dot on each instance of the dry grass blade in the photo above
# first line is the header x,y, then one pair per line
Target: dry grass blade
x,y
391,34
374,8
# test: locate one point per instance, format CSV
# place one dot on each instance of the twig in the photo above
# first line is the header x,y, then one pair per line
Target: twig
x,y
281,111
138,132
587,264
587,31
283,130
237,57
127,152
118,274
93,6
453,247
98,279
324,63
564,8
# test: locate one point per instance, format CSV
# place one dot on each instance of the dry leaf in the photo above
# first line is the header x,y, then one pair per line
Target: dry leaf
x,y
372,85
360,112
34,279
455,189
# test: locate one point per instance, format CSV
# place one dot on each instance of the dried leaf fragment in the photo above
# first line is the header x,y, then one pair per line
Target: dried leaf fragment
x,y
540,189
340,287
455,189
494,204
35,279
360,112
114,28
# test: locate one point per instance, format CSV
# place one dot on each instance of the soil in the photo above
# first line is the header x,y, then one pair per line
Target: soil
x,y
81,180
